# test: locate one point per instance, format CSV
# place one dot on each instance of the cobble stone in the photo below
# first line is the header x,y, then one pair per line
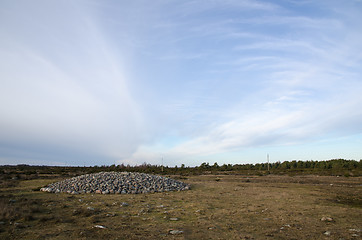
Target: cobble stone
x,y
116,183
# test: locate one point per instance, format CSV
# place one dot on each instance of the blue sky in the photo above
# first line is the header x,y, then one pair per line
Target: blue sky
x,y
102,82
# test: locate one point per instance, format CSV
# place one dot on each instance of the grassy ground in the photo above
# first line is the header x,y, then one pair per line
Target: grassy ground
x,y
217,207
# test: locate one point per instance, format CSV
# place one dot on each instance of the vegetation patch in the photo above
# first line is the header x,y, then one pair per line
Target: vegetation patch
x,y
219,206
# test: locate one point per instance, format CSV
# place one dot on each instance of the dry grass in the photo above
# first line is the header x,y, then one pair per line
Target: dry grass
x,y
217,207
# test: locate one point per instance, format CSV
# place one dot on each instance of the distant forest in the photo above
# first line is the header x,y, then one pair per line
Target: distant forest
x,y
330,167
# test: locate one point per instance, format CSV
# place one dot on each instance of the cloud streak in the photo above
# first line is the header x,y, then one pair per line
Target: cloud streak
x,y
115,82
63,87
306,84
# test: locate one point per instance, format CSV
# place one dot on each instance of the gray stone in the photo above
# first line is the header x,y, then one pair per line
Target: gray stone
x,y
176,232
116,182
100,226
327,219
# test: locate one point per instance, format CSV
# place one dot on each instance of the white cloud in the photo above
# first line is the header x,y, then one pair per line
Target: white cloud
x,y
119,80
63,89
274,126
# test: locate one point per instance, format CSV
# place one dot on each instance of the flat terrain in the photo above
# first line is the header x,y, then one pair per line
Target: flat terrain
x,y
217,207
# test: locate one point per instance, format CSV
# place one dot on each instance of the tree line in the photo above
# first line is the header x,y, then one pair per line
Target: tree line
x,y
328,167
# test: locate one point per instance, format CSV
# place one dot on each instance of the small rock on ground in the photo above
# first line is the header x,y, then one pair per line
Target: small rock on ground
x,y
175,232
327,219
100,226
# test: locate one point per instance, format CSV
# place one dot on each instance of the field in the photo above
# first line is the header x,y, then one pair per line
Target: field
x,y
217,207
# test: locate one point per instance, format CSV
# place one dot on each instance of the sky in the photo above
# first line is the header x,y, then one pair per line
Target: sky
x,y
101,82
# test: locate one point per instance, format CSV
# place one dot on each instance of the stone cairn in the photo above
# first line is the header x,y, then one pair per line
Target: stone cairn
x,y
116,183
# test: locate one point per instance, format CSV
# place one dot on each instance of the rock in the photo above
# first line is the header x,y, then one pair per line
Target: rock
x,y
327,233
144,211
116,182
124,204
100,226
176,232
90,208
174,219
327,219
355,231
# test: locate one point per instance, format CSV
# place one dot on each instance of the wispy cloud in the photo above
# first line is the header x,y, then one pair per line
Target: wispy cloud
x,y
131,81
277,123
62,89
295,73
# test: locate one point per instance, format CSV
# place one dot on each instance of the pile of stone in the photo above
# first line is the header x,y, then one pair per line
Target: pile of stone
x,y
116,182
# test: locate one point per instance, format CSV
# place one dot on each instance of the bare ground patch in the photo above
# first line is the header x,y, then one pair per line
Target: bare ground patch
x,y
216,207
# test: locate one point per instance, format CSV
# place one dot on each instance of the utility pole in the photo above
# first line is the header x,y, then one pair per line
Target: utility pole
x,y
162,165
268,161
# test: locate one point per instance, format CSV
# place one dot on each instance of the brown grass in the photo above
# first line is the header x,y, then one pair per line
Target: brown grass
x,y
217,207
